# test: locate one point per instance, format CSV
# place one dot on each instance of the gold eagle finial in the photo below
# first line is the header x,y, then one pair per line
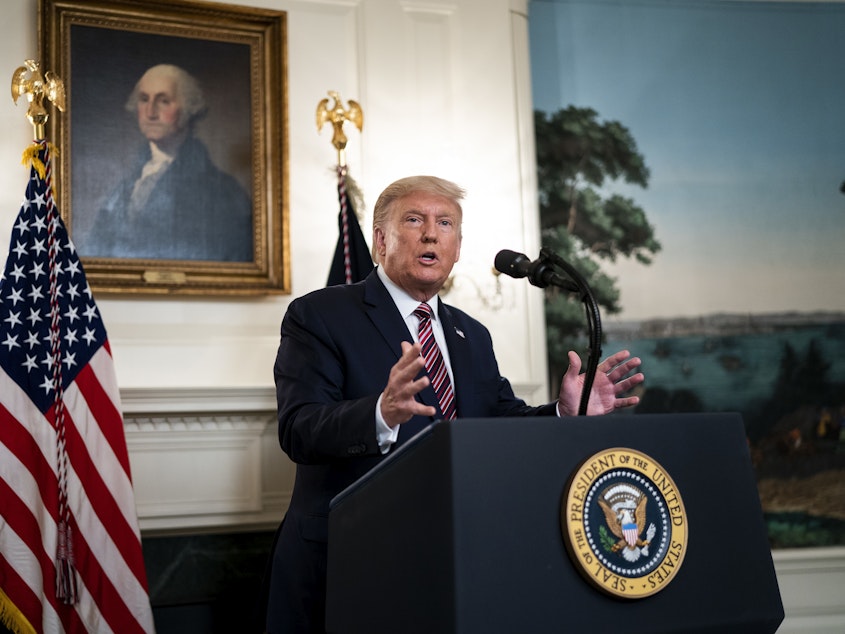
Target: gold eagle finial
x,y
338,115
28,80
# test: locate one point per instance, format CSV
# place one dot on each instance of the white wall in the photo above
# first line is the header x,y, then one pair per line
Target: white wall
x,y
445,90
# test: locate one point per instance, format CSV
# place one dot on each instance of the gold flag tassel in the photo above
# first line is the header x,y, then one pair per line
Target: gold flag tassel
x,y
31,158
12,618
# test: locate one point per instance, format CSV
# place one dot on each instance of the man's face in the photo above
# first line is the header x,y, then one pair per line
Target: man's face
x,y
420,243
159,108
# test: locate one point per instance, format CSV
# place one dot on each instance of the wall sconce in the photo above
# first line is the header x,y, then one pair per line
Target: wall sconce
x,y
488,292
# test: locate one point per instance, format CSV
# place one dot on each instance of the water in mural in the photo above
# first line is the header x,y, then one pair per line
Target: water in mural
x,y
786,375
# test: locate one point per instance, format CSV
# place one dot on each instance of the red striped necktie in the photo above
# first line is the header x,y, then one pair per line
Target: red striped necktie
x,y
434,364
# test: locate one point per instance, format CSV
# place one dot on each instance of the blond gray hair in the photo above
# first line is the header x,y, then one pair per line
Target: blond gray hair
x,y
398,190
188,91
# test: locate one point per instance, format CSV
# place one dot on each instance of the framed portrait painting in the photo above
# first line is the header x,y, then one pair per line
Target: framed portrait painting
x,y
172,170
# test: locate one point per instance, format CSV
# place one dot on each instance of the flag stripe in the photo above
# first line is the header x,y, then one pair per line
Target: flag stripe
x,y
25,577
96,452
48,316
27,602
111,607
94,495
103,414
98,398
24,581
21,515
38,473
88,566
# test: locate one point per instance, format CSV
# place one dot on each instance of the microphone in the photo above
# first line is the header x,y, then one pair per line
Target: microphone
x,y
512,263
539,272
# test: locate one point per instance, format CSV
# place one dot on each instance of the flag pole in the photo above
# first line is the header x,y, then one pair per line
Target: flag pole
x,y
29,82
76,562
337,115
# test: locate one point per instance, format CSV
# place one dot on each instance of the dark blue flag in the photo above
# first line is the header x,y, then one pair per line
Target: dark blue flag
x,y
352,261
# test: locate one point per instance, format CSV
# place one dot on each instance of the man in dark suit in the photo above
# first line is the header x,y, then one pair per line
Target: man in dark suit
x,y
351,380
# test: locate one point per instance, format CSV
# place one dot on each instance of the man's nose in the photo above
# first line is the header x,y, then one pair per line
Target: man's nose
x,y
429,232
149,109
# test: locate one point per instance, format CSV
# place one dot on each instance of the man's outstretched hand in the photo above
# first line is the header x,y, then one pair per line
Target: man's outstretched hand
x,y
610,382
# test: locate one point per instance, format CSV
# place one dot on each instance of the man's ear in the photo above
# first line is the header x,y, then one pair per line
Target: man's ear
x,y
378,240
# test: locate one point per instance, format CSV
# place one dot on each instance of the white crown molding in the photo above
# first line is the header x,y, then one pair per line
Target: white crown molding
x,y
155,401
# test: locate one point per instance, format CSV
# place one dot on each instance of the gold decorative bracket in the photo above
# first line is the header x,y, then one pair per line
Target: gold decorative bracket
x,y
28,81
338,115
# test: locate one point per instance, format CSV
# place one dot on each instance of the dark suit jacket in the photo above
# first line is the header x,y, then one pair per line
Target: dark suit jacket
x,y
337,347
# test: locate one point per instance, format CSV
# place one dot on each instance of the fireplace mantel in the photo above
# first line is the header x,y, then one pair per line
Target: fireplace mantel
x,y
205,459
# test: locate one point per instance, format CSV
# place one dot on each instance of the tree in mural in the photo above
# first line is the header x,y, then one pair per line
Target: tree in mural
x,y
577,157
802,382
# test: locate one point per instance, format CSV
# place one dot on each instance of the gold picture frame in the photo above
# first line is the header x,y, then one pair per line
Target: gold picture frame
x,y
216,222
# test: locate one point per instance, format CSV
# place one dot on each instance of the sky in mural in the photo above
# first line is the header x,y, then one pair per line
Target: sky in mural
x,y
739,110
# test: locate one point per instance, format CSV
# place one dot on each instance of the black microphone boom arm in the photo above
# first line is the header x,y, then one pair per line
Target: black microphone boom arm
x,y
541,273
593,324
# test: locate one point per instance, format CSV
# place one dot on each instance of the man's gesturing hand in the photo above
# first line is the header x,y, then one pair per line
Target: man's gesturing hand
x,y
398,400
611,381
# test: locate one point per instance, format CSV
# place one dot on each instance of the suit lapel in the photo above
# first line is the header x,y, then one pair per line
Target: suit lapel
x,y
383,313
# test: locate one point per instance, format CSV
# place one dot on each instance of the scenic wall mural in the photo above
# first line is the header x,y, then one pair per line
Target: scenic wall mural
x,y
691,163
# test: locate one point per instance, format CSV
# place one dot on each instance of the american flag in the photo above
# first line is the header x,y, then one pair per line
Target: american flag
x,y
70,547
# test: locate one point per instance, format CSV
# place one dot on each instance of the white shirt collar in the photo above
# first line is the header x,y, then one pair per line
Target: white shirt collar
x,y
158,161
404,302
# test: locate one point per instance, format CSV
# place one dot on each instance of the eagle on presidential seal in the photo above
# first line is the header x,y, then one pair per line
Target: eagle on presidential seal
x,y
624,508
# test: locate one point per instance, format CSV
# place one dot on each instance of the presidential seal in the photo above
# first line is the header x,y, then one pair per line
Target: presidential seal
x,y
624,523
